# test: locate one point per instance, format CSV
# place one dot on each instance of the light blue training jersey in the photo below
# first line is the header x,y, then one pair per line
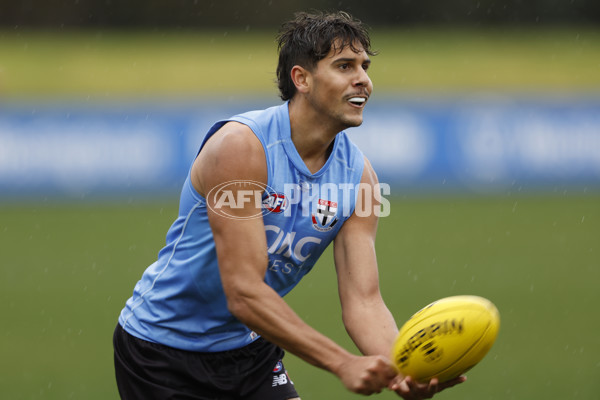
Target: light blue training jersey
x,y
179,301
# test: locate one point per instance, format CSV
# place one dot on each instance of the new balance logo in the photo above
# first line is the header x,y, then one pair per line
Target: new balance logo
x,y
279,380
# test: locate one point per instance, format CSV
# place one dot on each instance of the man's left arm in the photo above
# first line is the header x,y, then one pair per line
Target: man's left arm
x,y
366,317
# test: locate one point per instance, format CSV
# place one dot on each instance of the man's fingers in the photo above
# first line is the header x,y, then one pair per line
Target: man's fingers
x,y
411,389
452,382
433,386
375,373
403,386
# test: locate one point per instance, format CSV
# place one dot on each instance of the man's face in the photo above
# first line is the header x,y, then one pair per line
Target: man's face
x,y
341,86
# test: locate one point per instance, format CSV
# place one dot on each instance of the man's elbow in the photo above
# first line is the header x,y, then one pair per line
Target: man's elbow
x,y
239,303
238,307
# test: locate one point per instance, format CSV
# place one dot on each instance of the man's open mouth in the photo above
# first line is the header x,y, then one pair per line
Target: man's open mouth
x,y
357,101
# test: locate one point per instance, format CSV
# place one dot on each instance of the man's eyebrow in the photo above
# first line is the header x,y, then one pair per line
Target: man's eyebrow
x,y
351,59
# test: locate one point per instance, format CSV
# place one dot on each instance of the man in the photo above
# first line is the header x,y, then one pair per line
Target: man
x,y
207,320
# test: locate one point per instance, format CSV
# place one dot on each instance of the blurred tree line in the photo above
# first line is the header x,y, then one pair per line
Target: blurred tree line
x,y
257,14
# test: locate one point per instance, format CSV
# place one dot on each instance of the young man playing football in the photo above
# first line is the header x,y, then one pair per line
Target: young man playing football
x,y
207,320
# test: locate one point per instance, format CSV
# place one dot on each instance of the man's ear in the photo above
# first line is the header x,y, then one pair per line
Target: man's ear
x,y
302,78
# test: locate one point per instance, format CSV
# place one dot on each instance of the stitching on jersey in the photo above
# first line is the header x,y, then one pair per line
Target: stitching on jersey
x,y
344,161
275,143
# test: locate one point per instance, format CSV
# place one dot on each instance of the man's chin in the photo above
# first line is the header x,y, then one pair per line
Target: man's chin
x,y
354,122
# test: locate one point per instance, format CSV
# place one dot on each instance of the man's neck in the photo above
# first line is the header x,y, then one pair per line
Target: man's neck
x,y
311,135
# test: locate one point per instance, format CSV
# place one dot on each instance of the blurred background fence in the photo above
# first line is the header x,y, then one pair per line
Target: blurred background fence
x,y
101,97
471,144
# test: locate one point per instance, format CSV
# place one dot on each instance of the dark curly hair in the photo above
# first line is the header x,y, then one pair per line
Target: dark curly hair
x,y
309,37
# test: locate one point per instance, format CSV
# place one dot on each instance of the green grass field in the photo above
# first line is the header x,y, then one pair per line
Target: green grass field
x,y
68,268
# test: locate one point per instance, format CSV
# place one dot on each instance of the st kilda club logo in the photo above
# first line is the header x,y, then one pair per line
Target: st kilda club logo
x,y
325,218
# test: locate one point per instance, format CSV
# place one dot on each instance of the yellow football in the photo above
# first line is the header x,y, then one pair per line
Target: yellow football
x,y
446,338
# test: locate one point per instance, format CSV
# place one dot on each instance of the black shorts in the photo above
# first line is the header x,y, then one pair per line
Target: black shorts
x,y
146,370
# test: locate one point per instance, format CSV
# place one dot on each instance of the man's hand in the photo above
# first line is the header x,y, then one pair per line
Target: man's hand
x,y
410,389
367,374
